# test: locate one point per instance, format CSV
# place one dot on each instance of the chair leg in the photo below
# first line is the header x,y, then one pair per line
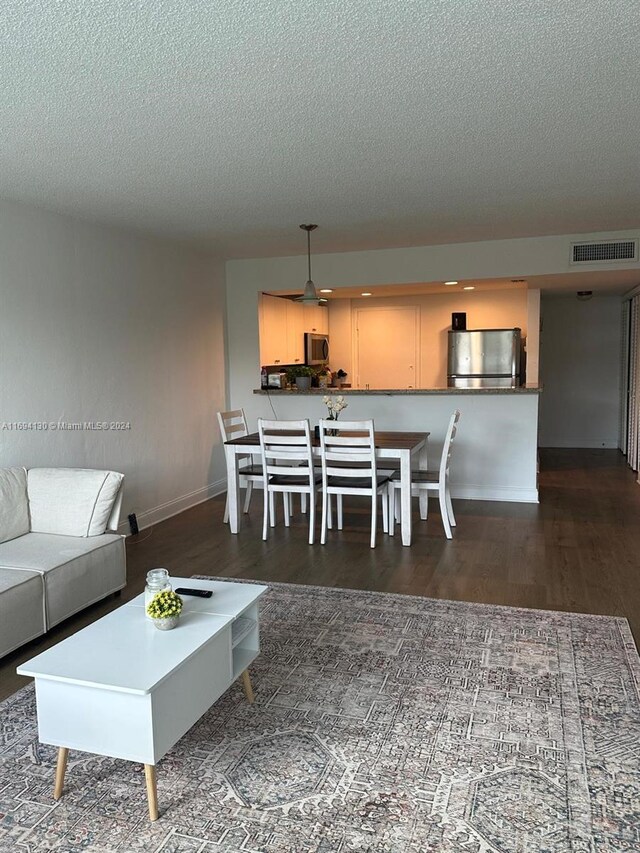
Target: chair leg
x,y
452,518
423,499
247,497
286,505
329,513
323,530
443,511
312,517
392,511
385,511
303,503
272,509
339,500
265,513
225,518
374,519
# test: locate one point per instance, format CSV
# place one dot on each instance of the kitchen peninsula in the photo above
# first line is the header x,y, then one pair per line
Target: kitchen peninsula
x,y
495,455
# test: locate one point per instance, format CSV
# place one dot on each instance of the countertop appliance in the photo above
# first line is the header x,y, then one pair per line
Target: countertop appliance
x,y
485,358
316,348
277,380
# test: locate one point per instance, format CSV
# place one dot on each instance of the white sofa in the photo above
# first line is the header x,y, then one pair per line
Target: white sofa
x,y
59,551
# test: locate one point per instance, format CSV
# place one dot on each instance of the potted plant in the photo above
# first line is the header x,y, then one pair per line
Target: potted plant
x,y
301,375
165,608
322,376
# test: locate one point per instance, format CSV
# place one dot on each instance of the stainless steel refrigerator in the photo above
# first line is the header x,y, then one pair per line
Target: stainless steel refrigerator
x,y
485,358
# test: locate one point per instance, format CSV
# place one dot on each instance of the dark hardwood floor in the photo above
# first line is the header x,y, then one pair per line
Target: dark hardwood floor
x,y
577,550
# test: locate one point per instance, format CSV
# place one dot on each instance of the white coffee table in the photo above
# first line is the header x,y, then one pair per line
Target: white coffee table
x,y
120,687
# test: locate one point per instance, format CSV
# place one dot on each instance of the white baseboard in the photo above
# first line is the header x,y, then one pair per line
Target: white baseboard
x,y
581,444
495,493
173,507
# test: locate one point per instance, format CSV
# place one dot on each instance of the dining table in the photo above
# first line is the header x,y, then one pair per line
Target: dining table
x,y
408,449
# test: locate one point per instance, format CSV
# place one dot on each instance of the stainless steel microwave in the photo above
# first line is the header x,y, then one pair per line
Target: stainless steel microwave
x,y
316,348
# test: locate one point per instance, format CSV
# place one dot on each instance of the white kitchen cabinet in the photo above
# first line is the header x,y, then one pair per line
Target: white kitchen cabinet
x,y
281,330
316,319
295,332
273,322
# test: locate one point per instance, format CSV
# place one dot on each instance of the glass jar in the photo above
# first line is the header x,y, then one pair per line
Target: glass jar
x,y
157,581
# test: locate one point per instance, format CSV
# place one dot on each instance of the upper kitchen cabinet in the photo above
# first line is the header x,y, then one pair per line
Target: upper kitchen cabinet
x,y
281,330
316,319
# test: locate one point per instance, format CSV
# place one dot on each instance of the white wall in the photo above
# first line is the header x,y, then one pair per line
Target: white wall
x,y
100,325
519,258
580,371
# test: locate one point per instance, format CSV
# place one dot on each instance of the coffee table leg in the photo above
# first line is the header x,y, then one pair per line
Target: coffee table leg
x,y
248,690
61,769
152,791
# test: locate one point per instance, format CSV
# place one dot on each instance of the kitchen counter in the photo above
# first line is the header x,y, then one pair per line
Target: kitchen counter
x,y
392,392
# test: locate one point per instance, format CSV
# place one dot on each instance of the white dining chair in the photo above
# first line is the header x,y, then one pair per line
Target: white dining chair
x,y
233,424
423,482
287,466
348,458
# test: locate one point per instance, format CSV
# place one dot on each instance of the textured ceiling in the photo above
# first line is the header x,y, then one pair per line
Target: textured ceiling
x,y
389,123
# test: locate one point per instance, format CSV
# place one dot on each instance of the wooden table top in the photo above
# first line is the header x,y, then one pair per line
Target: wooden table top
x,y
384,439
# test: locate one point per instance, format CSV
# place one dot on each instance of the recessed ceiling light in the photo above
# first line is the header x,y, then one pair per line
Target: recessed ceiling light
x,y
448,283
469,287
326,290
365,294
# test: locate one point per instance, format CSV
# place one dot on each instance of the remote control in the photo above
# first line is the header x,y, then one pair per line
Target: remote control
x,y
200,593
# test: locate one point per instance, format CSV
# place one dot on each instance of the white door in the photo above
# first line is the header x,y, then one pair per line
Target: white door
x,y
387,344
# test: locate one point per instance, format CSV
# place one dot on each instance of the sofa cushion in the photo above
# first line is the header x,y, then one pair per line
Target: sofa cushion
x,y
71,501
14,506
21,608
75,571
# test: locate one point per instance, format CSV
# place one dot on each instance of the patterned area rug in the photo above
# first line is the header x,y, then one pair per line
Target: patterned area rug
x,y
382,723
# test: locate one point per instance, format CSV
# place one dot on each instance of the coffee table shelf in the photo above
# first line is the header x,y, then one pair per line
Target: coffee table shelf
x,y
240,628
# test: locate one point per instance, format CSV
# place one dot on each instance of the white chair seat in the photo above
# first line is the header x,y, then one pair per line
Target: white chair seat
x,y
280,480
251,470
420,476
353,485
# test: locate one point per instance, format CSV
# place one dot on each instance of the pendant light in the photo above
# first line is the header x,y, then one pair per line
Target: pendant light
x,y
309,296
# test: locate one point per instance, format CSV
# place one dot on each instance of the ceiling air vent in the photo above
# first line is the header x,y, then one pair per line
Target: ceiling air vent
x,y
604,252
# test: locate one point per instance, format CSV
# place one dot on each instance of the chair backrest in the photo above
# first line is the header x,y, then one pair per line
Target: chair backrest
x,y
233,424
448,441
286,449
350,452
